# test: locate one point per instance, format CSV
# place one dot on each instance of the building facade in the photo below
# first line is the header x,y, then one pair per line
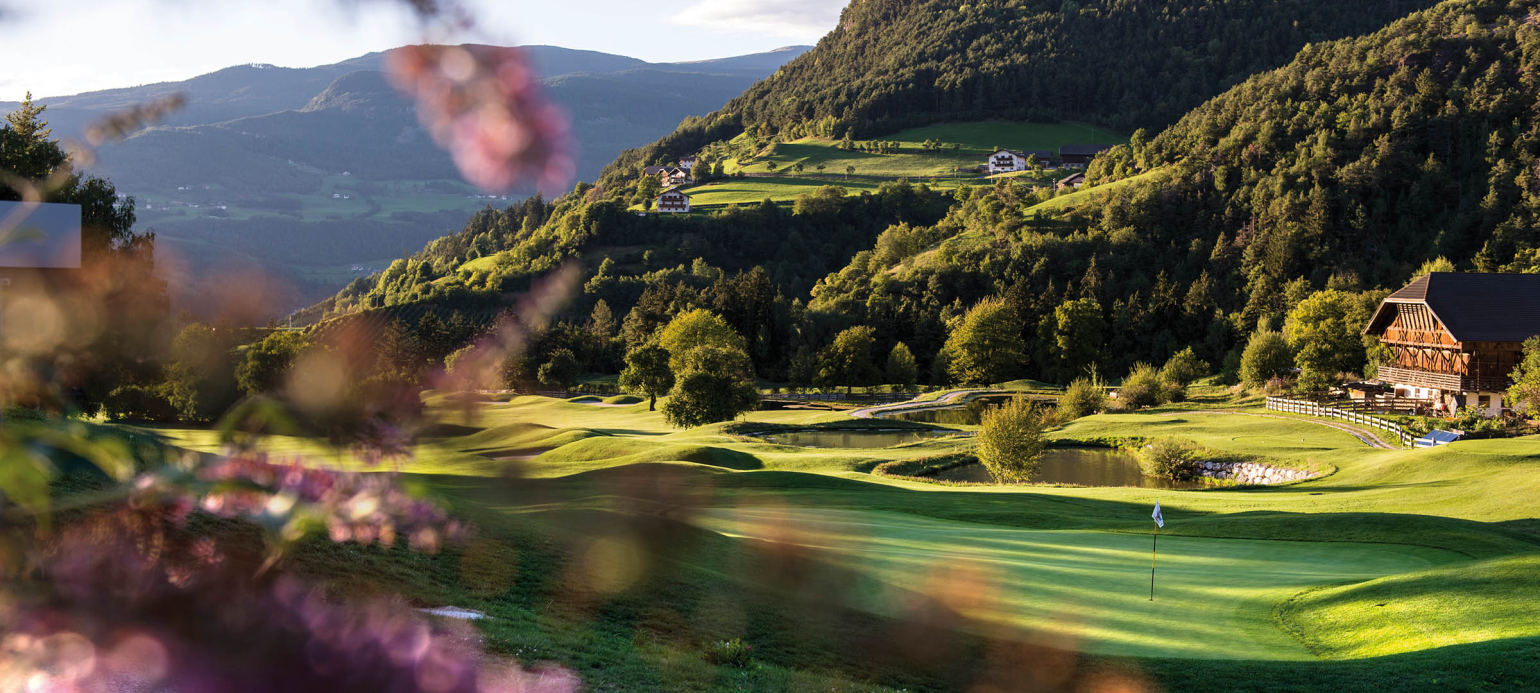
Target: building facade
x,y
1005,161
1080,155
1454,338
673,202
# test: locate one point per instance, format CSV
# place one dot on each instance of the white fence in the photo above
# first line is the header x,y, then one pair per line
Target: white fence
x,y
1300,406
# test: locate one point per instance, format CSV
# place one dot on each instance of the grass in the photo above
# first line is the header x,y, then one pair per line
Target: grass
x,y
705,535
1079,197
1098,579
1451,605
975,140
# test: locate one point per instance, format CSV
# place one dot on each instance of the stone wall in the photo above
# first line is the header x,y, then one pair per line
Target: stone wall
x,y
1251,473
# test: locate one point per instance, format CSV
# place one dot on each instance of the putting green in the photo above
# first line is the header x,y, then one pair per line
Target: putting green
x,y
1214,598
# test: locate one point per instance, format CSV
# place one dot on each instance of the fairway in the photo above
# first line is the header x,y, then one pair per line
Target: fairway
x,y
1214,597
1387,553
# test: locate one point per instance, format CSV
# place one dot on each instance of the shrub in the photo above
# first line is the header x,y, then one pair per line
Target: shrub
x,y
1143,388
1010,440
458,358
1083,397
1266,355
1185,367
560,371
1170,458
729,653
140,403
1230,371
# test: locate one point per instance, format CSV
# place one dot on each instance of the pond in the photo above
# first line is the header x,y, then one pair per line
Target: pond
x,y
829,438
1082,466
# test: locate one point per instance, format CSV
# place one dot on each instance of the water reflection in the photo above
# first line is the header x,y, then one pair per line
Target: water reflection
x,y
1082,466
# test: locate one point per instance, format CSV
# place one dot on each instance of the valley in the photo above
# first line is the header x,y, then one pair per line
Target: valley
x,y
999,346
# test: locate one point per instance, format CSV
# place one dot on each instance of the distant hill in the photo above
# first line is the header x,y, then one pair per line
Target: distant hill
x,y
319,174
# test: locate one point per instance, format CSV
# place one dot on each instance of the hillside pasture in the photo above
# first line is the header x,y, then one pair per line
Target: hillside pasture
x,y
974,142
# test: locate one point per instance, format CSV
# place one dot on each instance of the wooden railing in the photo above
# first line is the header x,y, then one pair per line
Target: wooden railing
x,y
881,397
1308,408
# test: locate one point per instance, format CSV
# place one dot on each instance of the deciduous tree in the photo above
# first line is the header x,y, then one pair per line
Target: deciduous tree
x,y
560,370
986,347
1525,391
647,373
268,361
1079,333
848,360
901,368
1010,440
697,328
1267,355
711,384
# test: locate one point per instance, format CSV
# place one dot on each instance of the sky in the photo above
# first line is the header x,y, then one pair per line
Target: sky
x,y
63,47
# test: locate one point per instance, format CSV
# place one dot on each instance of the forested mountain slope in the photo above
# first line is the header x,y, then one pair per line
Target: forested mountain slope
x,y
892,64
1347,168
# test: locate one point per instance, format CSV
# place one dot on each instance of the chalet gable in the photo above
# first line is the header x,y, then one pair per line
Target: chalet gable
x,y
1454,308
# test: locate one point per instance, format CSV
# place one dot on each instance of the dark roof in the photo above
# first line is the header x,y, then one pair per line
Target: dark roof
x,y
653,170
1041,153
1071,178
673,190
1083,149
1473,307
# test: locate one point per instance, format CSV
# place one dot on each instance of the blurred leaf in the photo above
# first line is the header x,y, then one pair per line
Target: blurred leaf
x,y
245,423
24,475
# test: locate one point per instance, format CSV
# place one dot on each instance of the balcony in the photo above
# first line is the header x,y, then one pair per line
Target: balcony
x,y
1452,382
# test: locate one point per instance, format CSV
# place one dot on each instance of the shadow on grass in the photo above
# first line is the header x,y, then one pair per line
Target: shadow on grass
x,y
607,575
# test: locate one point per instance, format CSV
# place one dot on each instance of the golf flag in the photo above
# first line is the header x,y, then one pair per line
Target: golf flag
x,y
1155,537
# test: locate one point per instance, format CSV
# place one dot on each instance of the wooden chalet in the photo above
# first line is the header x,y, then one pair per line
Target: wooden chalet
x,y
1007,160
1079,155
673,202
1455,337
39,252
1073,180
674,175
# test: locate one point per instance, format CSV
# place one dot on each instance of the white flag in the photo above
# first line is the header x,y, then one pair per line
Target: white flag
x,y
1160,522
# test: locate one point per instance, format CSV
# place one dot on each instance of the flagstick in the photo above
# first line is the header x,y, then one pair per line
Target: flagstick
x,y
1153,541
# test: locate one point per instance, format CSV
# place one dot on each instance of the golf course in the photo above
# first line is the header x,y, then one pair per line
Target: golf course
x,y
605,535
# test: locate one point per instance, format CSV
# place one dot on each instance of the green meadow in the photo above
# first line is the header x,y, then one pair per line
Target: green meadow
x,y
974,142
620,546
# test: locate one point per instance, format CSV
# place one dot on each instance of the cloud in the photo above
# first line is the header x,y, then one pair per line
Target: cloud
x,y
802,20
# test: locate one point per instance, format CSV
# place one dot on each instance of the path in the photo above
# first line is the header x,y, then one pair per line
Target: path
x,y
946,400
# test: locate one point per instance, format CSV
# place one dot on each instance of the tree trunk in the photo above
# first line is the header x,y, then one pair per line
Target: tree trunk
x,y
652,403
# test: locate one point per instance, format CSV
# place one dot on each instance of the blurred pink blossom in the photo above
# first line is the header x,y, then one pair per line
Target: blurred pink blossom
x,y
484,105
